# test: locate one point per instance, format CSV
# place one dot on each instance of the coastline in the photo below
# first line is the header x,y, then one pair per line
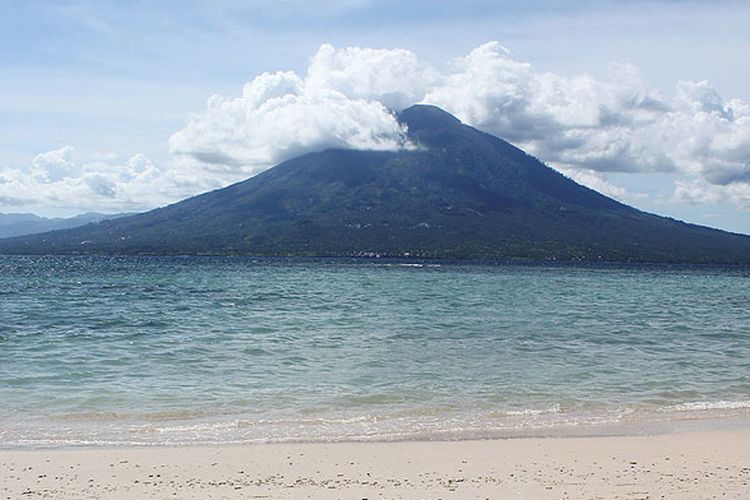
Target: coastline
x,y
104,430
685,464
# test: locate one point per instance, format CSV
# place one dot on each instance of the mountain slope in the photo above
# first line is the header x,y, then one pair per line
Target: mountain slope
x,y
460,194
22,224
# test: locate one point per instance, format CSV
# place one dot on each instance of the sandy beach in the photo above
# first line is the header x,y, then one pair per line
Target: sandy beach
x,y
701,464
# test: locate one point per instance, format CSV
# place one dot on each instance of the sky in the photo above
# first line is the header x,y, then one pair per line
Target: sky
x,y
116,106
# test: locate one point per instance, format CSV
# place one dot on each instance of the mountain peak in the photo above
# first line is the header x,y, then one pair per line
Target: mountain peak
x,y
427,117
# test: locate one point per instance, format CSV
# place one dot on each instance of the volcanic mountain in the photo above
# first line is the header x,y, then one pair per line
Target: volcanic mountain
x,y
460,193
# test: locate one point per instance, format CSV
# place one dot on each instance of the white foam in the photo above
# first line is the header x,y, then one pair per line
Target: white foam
x,y
710,405
534,411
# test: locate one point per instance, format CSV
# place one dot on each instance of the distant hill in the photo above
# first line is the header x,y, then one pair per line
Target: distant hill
x,y
22,224
461,194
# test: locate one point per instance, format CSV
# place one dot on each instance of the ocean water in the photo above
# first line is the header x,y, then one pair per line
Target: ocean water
x,y
155,351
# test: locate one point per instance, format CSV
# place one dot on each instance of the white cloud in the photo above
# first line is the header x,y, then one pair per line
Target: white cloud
x,y
53,166
617,124
578,123
698,192
598,181
392,77
59,180
583,125
342,102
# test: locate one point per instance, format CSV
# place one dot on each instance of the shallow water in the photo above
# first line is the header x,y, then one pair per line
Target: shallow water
x,y
103,350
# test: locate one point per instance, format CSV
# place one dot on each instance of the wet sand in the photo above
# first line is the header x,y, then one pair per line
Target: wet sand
x,y
700,465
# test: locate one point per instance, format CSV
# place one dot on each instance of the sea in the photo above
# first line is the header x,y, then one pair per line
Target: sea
x,y
154,351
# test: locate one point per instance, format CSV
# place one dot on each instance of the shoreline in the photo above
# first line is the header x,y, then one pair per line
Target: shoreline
x,y
689,464
631,428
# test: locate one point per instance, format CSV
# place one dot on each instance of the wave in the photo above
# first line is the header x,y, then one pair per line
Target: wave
x,y
709,405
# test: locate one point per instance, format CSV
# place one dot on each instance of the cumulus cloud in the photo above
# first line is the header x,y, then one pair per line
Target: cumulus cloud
x,y
618,124
53,166
347,97
346,100
580,124
698,191
599,182
59,179
578,121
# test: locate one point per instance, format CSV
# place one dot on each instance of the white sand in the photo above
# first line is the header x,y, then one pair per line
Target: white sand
x,y
705,464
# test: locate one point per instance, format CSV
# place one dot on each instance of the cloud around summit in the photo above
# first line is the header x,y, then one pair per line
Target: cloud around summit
x,y
345,98
577,123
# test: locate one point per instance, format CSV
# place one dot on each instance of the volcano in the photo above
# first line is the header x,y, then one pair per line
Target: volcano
x,y
459,194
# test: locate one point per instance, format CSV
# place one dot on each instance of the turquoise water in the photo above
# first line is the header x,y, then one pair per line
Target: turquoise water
x,y
205,350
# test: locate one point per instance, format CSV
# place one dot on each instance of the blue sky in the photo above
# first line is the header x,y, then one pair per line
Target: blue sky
x,y
115,80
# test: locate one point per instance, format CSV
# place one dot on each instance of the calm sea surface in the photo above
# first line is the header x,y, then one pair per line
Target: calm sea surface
x,y
205,350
